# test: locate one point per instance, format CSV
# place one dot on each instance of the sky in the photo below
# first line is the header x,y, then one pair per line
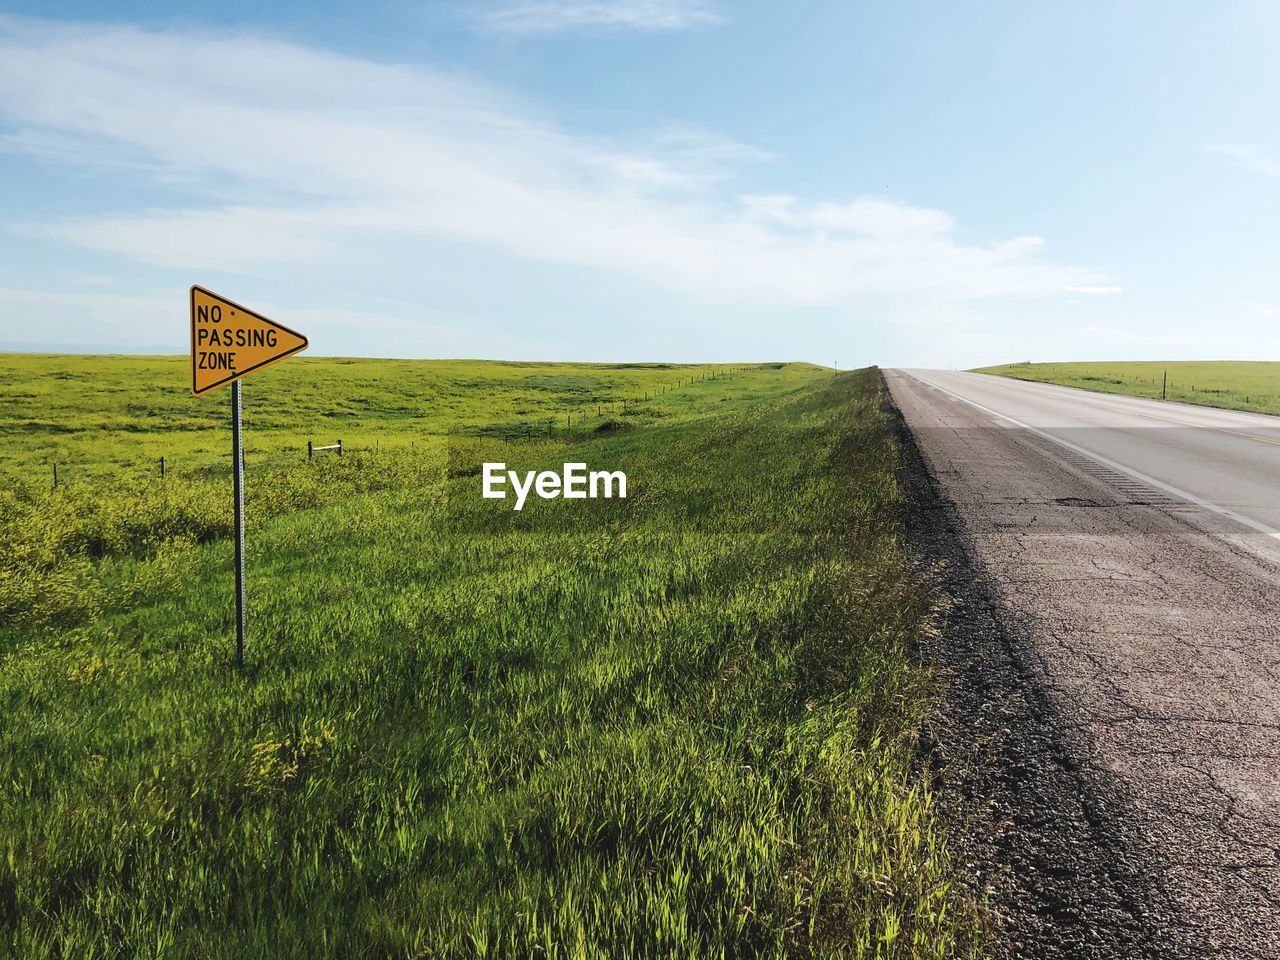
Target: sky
x,y
938,183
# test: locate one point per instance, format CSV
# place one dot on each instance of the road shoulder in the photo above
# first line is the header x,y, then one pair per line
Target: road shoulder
x,y
1038,836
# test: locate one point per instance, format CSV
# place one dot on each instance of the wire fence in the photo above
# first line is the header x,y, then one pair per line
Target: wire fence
x,y
597,410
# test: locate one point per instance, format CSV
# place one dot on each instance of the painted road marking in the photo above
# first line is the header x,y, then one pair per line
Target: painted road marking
x,y
1138,413
1107,461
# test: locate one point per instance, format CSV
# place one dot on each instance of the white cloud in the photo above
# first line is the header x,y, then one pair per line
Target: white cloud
x,y
1250,158
1092,289
145,322
72,317
297,155
549,16
238,239
875,217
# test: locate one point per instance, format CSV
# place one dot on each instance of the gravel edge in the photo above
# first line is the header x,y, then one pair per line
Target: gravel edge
x,y
1043,842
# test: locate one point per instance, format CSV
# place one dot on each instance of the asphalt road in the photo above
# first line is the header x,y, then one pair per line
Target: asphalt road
x,y
1136,546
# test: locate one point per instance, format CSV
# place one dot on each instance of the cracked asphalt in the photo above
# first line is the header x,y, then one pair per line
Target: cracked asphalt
x,y
1130,638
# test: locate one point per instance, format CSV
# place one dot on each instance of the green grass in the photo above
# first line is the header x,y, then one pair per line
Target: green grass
x,y
113,416
680,725
1233,384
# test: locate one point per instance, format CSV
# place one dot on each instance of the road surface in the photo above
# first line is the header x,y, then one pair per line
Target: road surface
x,y
1137,544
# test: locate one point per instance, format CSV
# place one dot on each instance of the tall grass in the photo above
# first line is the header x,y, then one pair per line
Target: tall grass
x,y
683,724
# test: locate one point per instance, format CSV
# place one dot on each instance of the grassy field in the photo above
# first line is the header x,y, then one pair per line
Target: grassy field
x,y
1234,384
682,724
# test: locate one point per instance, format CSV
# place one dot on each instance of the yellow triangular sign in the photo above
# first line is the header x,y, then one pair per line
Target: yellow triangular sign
x,y
229,341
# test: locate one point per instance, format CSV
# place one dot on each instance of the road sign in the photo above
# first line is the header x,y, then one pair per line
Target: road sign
x,y
229,341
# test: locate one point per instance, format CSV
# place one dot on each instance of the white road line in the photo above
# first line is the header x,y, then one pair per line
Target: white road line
x,y
1130,410
1107,461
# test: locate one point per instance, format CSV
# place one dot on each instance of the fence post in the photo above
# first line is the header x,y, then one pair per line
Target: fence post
x,y
1164,387
55,476
308,449
162,468
339,448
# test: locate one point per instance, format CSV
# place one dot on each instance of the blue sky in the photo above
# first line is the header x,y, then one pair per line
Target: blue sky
x,y
940,184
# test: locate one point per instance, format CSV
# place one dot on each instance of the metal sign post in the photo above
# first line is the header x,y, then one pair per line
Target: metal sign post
x,y
237,459
229,341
